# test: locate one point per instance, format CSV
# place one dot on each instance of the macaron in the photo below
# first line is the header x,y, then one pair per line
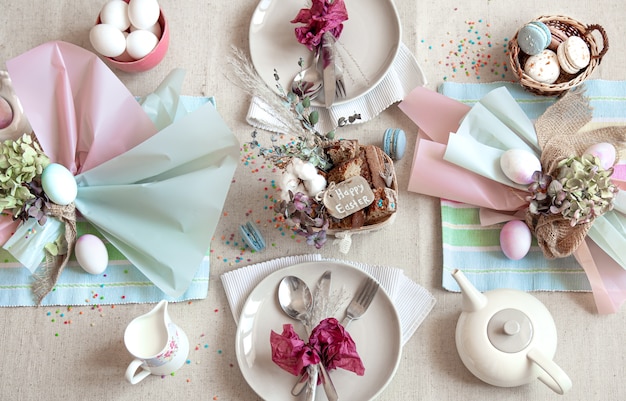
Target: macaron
x,y
394,143
543,67
534,37
573,54
252,236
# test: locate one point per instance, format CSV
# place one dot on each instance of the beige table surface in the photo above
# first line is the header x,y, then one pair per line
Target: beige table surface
x,y
86,359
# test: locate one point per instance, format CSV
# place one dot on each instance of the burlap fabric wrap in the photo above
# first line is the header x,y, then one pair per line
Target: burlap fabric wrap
x,y
49,273
559,136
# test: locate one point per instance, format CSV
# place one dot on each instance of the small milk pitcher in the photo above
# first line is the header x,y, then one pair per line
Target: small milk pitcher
x,y
159,346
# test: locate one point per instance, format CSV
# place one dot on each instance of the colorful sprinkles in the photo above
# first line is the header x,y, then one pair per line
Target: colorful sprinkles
x,y
476,54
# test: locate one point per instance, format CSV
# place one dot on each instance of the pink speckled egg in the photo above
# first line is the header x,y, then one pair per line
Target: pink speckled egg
x,y
515,239
519,165
91,254
603,151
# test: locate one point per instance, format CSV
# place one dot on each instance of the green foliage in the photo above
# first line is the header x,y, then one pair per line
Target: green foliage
x,y
21,164
309,144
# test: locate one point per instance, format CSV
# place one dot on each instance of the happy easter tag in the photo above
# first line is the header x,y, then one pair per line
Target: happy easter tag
x,y
347,197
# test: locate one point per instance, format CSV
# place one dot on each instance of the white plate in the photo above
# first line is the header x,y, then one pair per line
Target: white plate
x,y
365,50
377,336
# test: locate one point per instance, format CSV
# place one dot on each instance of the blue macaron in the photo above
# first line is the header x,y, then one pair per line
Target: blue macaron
x,y
534,37
252,236
394,143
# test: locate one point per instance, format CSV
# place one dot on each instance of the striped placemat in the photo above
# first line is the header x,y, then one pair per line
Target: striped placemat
x,y
475,249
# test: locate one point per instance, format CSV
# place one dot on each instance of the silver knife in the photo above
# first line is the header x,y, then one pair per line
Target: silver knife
x,y
322,295
328,68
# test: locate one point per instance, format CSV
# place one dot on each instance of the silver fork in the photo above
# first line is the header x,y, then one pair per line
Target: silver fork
x,y
355,310
361,301
340,87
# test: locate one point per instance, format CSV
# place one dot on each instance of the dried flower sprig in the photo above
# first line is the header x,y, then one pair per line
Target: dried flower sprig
x,y
582,190
306,217
309,144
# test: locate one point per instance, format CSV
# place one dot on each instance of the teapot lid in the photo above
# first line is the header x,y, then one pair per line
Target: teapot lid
x,y
510,330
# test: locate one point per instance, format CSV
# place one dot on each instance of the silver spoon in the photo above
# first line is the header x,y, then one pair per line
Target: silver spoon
x,y
296,301
309,81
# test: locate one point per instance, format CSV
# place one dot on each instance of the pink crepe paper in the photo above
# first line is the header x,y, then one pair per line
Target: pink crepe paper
x,y
74,127
438,117
434,176
89,118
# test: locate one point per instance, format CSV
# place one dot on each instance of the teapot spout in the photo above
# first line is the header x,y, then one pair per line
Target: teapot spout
x,y
473,300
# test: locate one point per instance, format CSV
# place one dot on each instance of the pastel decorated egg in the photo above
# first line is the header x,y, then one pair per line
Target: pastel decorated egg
x,y
91,254
519,165
59,184
603,151
515,239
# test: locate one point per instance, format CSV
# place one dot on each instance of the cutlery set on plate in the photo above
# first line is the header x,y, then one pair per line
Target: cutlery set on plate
x,y
322,75
297,301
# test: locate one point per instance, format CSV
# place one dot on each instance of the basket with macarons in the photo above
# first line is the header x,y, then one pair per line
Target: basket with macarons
x,y
553,54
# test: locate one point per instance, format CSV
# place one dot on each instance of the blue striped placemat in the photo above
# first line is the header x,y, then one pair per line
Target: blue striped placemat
x,y
475,249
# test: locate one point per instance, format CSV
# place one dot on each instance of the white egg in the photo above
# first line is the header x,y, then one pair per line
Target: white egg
x,y
107,40
155,29
515,239
139,43
91,254
143,13
59,184
603,151
115,12
519,165
125,57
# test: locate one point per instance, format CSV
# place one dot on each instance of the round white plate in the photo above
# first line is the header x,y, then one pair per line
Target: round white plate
x,y
377,336
365,50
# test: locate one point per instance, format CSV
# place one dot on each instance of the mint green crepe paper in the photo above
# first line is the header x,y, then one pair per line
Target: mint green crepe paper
x,y
493,125
159,203
163,106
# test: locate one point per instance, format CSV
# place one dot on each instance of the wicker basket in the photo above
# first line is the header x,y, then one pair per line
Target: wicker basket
x,y
561,28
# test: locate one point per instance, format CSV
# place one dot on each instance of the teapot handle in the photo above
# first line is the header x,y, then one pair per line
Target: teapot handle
x,y
556,378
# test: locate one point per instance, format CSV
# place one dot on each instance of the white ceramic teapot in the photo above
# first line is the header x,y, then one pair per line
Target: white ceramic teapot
x,y
507,338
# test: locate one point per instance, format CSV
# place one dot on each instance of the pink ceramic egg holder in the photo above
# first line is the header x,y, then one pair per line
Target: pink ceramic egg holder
x,y
152,59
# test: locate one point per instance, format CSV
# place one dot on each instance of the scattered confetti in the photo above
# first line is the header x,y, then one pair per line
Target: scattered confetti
x,y
475,55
